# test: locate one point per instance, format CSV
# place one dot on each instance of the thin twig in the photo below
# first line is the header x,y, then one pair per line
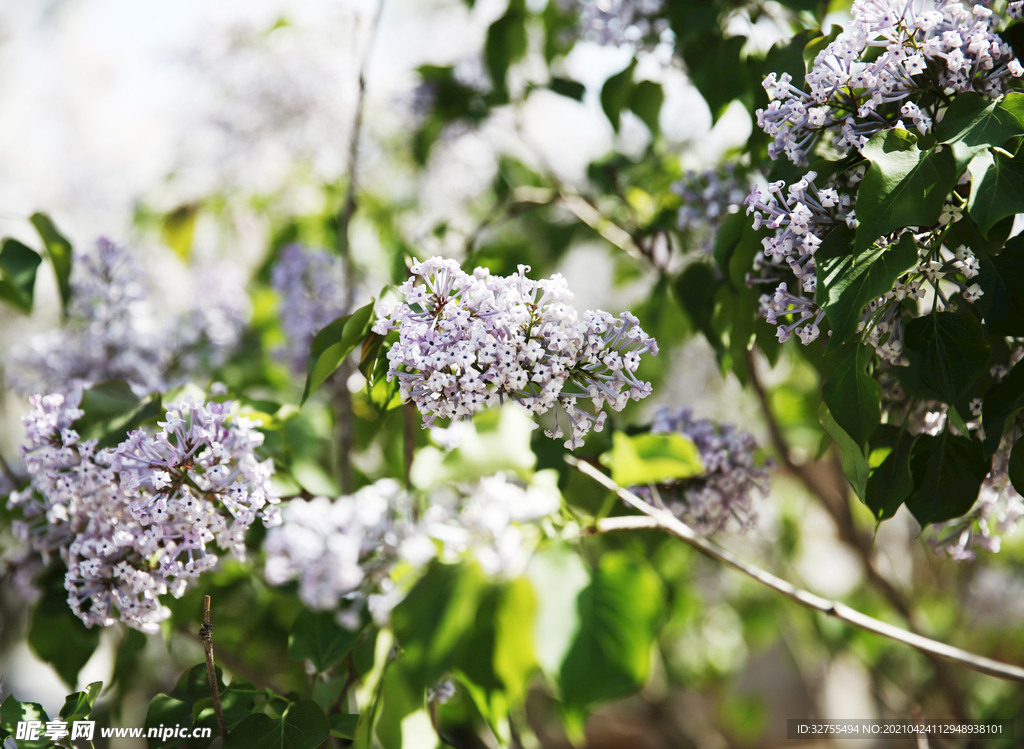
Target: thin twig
x,y
206,635
664,520
838,506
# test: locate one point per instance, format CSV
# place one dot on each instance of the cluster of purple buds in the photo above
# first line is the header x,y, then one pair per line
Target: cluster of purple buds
x,y
346,548
619,22
708,197
721,497
312,288
467,342
802,215
138,521
925,55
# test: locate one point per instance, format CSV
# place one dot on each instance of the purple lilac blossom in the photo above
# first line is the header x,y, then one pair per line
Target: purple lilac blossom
x,y
619,22
721,497
312,289
134,522
946,49
708,197
466,342
344,549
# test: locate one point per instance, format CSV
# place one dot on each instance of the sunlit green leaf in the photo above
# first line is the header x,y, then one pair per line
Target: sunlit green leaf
x,y
333,344
58,250
652,458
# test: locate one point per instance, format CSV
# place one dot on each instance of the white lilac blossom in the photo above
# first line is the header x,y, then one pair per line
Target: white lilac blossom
x,y
708,197
141,520
722,496
900,59
467,342
312,288
114,329
345,549
802,216
619,22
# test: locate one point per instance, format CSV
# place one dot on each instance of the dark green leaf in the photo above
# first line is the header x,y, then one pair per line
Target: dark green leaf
x,y
13,712
18,265
303,726
892,482
77,706
974,122
1015,469
728,238
168,711
620,612
948,472
565,87
855,466
997,189
58,249
853,397
848,282
506,43
1001,404
695,290
903,187
333,344
948,351
1001,279
57,636
645,102
104,401
318,636
344,726
715,65
615,94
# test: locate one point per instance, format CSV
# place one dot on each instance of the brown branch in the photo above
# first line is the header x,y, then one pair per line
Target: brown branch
x,y
206,635
663,520
837,504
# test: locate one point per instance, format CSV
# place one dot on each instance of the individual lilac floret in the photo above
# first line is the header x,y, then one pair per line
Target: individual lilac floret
x,y
467,342
312,289
708,198
721,497
345,549
926,54
133,523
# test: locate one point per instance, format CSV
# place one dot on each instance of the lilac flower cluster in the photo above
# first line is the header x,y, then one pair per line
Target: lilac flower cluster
x,y
466,342
134,522
722,495
113,330
924,56
708,197
345,549
312,289
619,22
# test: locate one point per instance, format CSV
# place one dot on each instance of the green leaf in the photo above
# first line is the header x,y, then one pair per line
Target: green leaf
x,y
558,575
695,290
1001,405
948,351
615,94
903,187
18,265
344,726
997,189
166,710
652,458
847,283
177,229
431,621
237,702
384,394
620,612
645,102
303,726
506,43
853,397
316,635
104,401
974,122
57,636
13,712
892,483
333,344
716,66
78,706
855,465
186,702
1001,278
58,250
948,472
565,87
1015,468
